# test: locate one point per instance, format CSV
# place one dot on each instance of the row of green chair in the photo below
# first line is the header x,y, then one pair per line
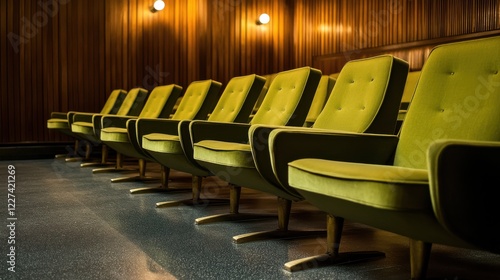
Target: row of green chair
x,y
422,172
434,183
61,121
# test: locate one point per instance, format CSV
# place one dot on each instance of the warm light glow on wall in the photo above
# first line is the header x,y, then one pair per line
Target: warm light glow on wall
x,y
158,6
264,19
335,28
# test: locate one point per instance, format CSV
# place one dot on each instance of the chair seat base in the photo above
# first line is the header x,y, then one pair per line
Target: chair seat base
x,y
276,234
73,159
232,217
192,202
113,169
62,156
97,164
159,189
137,178
330,259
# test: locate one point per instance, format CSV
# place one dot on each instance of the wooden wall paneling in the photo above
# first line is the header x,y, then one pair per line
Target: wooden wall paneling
x,y
132,40
46,74
53,88
88,48
18,62
4,45
23,54
64,58
40,20
107,48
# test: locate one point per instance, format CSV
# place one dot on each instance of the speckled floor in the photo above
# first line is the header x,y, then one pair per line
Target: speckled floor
x,y
72,224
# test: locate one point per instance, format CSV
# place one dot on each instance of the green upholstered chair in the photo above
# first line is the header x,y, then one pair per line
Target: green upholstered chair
x,y
269,78
411,84
169,141
365,99
221,147
83,123
121,133
61,122
323,91
430,184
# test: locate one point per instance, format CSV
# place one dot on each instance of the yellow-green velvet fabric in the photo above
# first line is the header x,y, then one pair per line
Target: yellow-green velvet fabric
x,y
109,106
152,109
320,98
57,124
278,106
82,128
156,101
286,90
457,97
232,99
224,153
130,100
164,143
87,128
352,103
380,186
236,95
192,100
114,134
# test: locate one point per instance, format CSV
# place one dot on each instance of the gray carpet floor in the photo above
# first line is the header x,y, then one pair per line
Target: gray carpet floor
x,y
72,224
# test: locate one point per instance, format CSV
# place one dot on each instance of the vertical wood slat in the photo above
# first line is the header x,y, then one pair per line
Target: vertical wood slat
x,y
3,69
88,48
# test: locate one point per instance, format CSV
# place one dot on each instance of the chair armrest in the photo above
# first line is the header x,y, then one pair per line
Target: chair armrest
x,y
464,188
59,115
219,131
115,121
259,142
287,145
80,117
148,126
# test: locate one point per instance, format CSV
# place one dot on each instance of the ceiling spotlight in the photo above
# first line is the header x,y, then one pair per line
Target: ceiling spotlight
x,y
264,19
158,6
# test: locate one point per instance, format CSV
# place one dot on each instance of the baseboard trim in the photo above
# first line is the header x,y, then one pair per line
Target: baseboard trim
x,y
26,151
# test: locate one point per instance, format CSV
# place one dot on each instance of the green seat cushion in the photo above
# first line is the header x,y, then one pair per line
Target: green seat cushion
x,y
83,128
224,153
57,124
380,186
162,143
114,134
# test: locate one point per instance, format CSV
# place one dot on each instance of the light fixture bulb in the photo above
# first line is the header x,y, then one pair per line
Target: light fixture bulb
x,y
264,18
159,5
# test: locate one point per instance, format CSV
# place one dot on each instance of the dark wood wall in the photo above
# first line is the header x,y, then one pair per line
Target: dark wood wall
x,y
60,55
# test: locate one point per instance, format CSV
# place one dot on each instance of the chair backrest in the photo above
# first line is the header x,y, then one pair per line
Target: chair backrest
x,y
288,98
133,103
114,102
238,99
161,101
366,96
320,97
269,79
457,97
198,100
411,84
